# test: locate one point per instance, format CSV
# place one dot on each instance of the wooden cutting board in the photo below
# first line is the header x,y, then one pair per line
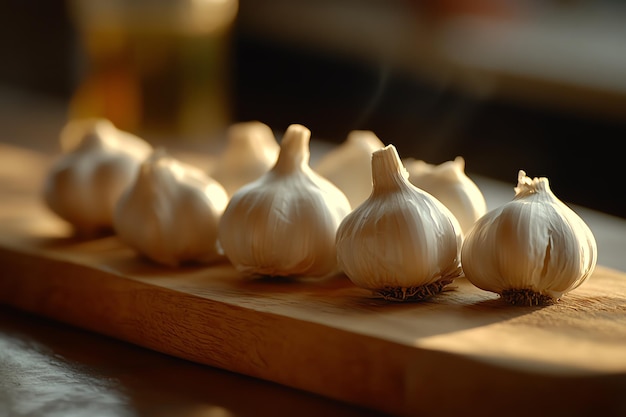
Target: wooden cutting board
x,y
462,352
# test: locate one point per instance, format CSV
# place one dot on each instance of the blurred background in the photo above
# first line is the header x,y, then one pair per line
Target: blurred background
x,y
507,84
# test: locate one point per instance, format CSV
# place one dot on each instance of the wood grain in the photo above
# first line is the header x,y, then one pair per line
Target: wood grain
x,y
464,351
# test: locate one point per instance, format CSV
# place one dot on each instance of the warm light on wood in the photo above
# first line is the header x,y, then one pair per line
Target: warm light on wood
x,y
463,348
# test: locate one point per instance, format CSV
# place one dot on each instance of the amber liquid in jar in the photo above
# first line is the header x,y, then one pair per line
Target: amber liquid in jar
x,y
157,69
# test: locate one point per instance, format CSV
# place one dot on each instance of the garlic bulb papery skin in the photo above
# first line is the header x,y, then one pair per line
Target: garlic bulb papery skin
x,y
449,183
251,150
171,212
85,182
401,243
531,250
349,165
284,223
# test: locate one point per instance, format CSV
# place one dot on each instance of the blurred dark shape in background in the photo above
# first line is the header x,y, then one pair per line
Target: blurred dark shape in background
x,y
509,85
37,43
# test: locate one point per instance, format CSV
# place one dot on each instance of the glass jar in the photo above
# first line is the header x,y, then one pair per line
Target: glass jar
x,y
157,68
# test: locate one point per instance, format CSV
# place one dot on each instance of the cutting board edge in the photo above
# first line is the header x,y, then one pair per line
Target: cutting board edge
x,y
399,369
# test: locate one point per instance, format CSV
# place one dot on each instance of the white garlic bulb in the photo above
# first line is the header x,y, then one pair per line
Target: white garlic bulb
x,y
401,243
84,183
171,212
449,183
349,165
531,250
284,223
251,150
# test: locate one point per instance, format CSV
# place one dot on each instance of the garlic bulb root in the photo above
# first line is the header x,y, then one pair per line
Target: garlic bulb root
x,y
284,223
526,297
418,293
531,250
401,243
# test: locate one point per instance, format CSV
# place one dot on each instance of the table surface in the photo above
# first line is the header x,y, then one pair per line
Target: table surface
x,y
48,368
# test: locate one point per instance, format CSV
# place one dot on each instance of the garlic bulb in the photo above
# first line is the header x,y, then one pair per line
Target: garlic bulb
x,y
401,243
531,250
349,165
284,223
449,184
251,150
99,161
171,212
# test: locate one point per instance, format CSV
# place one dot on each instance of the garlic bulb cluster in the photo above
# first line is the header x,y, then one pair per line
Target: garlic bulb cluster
x,y
171,212
531,250
99,162
401,243
449,183
349,165
284,223
251,150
